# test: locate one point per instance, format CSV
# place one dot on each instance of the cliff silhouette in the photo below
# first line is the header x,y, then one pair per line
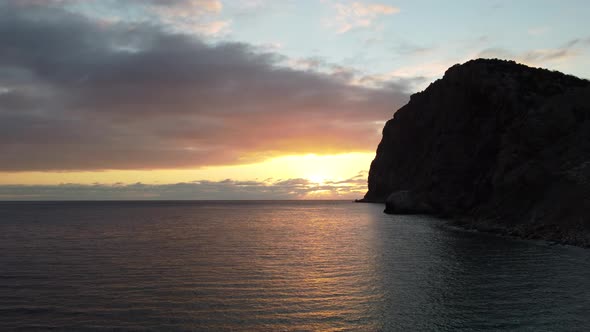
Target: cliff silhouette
x,y
496,146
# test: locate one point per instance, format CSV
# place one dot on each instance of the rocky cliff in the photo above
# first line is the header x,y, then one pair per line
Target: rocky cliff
x,y
495,145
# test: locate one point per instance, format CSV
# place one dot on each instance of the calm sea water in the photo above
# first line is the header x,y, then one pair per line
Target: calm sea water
x,y
275,266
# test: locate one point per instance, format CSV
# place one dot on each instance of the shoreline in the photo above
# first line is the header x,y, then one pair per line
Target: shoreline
x,y
551,233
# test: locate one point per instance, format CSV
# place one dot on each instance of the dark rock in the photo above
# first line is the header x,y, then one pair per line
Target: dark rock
x,y
406,202
497,143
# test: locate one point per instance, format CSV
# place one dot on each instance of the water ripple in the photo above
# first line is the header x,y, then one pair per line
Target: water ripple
x,y
275,266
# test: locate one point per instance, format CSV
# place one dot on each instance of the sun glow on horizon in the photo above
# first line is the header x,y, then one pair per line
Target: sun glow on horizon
x,y
317,169
316,179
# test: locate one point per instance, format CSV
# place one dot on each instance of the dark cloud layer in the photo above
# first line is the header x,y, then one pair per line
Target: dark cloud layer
x,y
79,94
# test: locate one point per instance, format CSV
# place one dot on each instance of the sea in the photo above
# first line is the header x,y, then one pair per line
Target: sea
x,y
275,266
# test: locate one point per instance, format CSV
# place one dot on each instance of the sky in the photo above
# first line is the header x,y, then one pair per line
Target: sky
x,y
237,99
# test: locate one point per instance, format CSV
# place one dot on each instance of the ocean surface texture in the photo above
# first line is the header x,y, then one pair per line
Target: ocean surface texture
x,y
276,266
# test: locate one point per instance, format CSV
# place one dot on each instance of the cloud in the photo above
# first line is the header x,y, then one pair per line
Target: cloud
x,y
201,17
195,190
132,95
538,31
355,15
193,16
406,48
543,55
539,57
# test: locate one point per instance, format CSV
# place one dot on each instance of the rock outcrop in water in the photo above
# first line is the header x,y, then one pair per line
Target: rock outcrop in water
x,y
495,145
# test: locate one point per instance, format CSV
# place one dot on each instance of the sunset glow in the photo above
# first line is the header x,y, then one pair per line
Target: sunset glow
x,y
341,176
316,168
286,96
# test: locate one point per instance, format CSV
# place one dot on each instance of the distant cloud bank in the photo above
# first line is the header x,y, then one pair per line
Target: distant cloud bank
x,y
195,190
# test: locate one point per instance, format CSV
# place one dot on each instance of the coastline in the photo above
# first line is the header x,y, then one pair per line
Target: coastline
x,y
550,233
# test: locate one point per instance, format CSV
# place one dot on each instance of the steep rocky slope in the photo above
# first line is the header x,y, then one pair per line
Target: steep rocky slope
x,y
495,145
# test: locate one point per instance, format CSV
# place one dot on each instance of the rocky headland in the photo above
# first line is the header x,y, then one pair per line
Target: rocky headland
x,y
495,146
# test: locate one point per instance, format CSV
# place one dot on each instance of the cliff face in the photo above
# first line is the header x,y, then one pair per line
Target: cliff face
x,y
499,145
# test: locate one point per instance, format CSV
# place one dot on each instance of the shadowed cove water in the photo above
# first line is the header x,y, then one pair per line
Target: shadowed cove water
x,y
271,266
